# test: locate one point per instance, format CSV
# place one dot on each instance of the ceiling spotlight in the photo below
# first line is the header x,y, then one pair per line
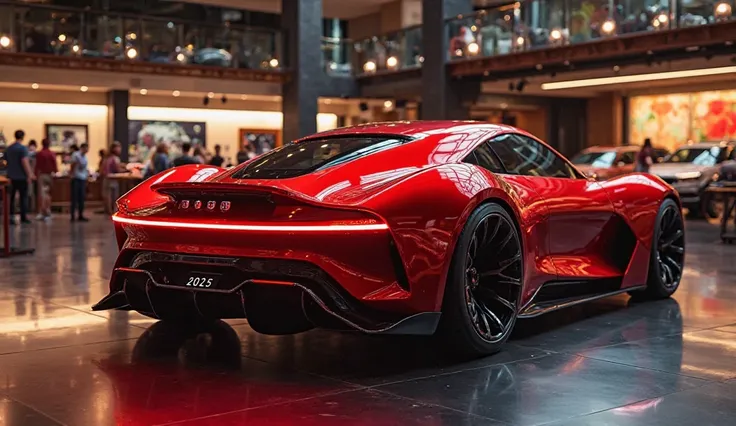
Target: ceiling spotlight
x,y
392,62
34,86
243,97
211,95
84,88
5,41
369,66
62,38
616,68
175,93
274,63
144,92
722,11
388,104
608,27
473,48
131,53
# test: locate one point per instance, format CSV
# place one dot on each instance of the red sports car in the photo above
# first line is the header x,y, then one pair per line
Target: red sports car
x,y
456,228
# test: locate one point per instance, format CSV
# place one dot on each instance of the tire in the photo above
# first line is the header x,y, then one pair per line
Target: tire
x,y
666,260
489,277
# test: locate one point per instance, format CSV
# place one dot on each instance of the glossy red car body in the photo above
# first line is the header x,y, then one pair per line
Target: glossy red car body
x,y
404,209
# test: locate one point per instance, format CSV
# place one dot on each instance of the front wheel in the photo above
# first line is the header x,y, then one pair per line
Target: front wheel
x,y
484,284
667,253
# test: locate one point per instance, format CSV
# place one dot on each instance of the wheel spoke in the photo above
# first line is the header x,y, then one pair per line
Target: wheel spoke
x,y
666,242
676,249
495,296
487,315
473,249
672,264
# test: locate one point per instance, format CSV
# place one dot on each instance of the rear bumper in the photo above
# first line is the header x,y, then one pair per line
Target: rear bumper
x,y
151,283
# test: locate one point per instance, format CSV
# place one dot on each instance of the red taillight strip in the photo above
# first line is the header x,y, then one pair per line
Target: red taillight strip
x,y
223,227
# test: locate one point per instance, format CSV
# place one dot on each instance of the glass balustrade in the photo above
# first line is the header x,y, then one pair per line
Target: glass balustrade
x,y
390,52
84,33
337,56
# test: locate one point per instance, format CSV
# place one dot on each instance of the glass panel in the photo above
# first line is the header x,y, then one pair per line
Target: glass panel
x,y
336,55
161,41
705,12
103,35
390,52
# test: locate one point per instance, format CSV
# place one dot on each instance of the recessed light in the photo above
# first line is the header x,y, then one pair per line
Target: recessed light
x,y
211,95
176,93
243,97
144,91
84,88
34,86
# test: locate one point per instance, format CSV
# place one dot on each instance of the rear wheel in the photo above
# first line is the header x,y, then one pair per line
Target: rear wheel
x,y
484,284
668,253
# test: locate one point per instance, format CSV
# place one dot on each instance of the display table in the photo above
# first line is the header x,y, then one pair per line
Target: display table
x,y
7,250
61,194
727,191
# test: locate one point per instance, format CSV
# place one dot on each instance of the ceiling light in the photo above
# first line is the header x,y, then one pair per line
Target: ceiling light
x,y
369,66
473,48
144,92
34,86
592,82
388,104
274,63
392,62
608,27
175,93
5,41
84,88
211,95
722,11
243,97
131,53
62,38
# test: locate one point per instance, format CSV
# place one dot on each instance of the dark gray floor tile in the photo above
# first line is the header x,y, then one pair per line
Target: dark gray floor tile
x,y
13,413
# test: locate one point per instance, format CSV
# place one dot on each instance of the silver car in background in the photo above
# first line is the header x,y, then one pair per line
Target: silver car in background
x,y
690,169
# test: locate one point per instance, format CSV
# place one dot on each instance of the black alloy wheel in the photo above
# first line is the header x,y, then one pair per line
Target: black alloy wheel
x,y
668,253
484,286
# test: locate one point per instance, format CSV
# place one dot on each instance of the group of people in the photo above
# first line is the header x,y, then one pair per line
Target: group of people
x,y
161,161
31,171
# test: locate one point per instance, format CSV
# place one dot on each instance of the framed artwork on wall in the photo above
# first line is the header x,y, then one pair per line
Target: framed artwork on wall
x,y
147,134
63,136
259,141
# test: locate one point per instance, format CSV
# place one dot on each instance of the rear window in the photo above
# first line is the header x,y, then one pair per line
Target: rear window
x,y
300,158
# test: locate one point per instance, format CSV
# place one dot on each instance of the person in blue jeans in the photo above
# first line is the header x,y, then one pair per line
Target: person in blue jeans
x,y
79,175
20,174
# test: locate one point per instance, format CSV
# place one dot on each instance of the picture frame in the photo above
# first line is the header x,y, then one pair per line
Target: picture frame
x,y
262,140
62,136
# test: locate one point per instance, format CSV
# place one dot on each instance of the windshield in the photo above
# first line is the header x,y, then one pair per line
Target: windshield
x,y
595,159
300,158
698,156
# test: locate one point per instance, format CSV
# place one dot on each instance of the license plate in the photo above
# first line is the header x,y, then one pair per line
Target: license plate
x,y
202,280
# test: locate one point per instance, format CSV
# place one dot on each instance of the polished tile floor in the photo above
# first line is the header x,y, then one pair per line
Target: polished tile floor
x,y
612,362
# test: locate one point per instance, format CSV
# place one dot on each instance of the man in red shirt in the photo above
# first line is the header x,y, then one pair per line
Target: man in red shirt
x,y
45,168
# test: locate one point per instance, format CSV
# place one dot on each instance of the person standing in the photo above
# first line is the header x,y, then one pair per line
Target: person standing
x,y
112,166
20,174
644,158
45,169
185,158
79,176
217,159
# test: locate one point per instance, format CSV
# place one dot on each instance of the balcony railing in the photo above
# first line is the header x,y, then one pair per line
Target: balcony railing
x,y
39,29
537,24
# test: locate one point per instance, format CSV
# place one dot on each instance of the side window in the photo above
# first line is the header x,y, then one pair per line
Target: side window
x,y
628,157
483,156
525,156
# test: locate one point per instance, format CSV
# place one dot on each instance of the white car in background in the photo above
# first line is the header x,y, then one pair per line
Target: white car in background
x,y
691,169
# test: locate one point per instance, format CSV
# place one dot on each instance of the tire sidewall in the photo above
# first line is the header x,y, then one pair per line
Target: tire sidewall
x,y
655,286
454,306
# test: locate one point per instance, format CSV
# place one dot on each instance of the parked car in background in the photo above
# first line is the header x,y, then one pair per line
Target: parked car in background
x,y
604,162
690,169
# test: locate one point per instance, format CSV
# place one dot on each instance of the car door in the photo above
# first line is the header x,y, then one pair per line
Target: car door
x,y
578,208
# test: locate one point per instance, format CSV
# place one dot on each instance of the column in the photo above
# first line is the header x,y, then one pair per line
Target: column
x,y
301,22
118,102
442,97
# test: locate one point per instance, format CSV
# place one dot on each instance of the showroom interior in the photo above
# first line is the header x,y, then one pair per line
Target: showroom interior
x,y
234,80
